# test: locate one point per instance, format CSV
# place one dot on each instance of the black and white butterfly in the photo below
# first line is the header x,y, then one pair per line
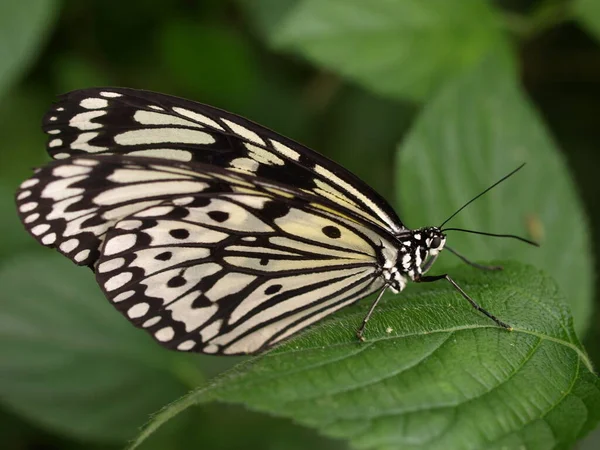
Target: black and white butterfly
x,y
213,233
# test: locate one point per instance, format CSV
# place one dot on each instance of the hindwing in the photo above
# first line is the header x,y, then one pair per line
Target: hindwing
x,y
203,258
231,274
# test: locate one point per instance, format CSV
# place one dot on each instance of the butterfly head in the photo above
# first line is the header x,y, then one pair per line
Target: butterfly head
x,y
434,239
417,248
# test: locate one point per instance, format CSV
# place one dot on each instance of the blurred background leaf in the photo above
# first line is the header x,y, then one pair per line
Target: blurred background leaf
x,y
267,16
24,26
401,49
588,12
67,361
429,375
476,131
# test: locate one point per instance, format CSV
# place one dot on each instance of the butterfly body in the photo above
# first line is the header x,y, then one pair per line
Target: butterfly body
x,y
414,247
210,232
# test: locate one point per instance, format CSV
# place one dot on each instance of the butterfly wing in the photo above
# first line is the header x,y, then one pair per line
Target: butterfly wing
x,y
232,274
142,123
204,259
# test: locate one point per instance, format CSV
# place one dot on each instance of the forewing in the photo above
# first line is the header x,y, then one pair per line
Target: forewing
x,y
142,123
234,274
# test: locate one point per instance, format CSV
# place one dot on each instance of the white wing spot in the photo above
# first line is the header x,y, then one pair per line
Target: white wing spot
x,y
123,296
129,225
93,103
40,229
87,162
110,265
28,183
249,238
137,311
32,218
162,135
82,143
154,118
60,109
53,131
198,117
285,150
118,281
245,164
131,174
55,143
406,261
61,156
417,237
244,132
167,153
82,255
157,108
165,334
152,321
69,246
120,243
52,119
264,156
69,171
49,239
183,201
110,94
186,345
83,121
28,207
155,211
23,194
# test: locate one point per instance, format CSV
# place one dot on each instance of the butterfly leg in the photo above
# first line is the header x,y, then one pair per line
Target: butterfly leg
x,y
360,331
471,263
474,304
429,263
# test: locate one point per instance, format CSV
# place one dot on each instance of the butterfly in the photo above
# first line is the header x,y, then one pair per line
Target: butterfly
x,y
212,233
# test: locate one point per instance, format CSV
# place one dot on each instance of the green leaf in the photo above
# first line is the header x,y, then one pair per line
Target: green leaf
x,y
232,427
404,49
24,25
225,74
433,373
13,239
69,361
588,13
265,16
23,142
474,132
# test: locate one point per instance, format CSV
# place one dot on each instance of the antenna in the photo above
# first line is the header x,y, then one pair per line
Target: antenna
x,y
481,194
513,236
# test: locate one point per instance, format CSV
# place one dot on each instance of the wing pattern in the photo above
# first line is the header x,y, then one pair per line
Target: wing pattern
x,y
141,123
203,258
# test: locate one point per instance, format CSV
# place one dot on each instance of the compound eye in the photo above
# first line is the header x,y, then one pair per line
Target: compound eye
x,y
436,242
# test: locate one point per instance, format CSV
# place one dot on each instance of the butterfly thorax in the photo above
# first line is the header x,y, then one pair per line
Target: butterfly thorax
x,y
414,248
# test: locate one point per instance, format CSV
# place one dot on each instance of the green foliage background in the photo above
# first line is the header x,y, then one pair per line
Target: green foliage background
x,y
429,102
